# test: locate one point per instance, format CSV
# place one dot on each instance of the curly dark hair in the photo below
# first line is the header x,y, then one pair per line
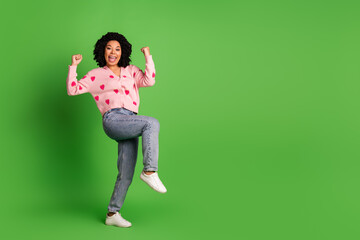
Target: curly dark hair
x,y
100,45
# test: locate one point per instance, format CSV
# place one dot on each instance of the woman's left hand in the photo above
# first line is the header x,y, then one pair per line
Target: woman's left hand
x,y
146,51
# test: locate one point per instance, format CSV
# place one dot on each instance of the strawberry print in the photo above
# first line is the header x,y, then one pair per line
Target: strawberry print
x,y
102,84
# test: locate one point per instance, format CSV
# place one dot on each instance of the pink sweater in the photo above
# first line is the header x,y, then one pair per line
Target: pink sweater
x,y
111,91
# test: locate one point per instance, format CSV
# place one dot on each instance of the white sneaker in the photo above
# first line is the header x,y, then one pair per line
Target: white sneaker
x,y
153,181
117,220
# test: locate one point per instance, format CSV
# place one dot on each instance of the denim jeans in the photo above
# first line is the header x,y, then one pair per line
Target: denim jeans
x,y
125,127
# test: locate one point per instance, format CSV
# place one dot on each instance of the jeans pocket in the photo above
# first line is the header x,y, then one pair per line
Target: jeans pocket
x,y
106,116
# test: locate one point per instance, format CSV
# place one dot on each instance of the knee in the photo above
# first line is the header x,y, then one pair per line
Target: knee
x,y
126,178
154,124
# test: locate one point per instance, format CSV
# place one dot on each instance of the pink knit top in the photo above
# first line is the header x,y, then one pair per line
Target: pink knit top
x,y
112,91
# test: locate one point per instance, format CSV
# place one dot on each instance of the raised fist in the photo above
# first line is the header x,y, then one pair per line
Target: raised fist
x,y
76,59
146,51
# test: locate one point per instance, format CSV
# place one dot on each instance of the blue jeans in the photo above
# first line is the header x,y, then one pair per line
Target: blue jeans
x,y
125,127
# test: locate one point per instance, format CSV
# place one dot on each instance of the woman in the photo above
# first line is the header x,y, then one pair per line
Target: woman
x,y
114,86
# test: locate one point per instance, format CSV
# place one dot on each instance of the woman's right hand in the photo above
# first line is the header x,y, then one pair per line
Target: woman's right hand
x,y
76,59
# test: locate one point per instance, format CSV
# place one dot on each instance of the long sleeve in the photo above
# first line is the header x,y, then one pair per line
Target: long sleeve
x,y
146,79
75,87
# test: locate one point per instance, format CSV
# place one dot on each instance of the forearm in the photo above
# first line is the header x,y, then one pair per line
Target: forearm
x,y
71,81
149,75
75,87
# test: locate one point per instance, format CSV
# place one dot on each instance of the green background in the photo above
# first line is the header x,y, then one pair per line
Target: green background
x,y
258,103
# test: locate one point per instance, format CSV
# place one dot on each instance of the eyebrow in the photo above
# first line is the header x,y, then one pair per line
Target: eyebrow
x,y
110,46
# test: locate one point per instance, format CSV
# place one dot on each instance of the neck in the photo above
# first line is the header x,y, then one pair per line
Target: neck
x,y
113,67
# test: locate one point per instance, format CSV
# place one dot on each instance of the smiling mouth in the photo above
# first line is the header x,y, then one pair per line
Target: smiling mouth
x,y
112,59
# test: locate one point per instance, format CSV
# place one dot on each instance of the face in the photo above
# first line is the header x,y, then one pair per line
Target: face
x,y
112,53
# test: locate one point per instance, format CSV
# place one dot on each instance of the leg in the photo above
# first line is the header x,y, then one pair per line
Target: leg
x,y
120,127
127,156
150,145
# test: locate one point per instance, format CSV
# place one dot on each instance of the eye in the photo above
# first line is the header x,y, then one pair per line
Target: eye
x,y
117,49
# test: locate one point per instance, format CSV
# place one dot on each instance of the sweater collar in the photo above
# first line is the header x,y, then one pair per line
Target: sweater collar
x,y
122,70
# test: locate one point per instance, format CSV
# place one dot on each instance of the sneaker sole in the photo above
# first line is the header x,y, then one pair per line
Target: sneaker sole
x,y
112,224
